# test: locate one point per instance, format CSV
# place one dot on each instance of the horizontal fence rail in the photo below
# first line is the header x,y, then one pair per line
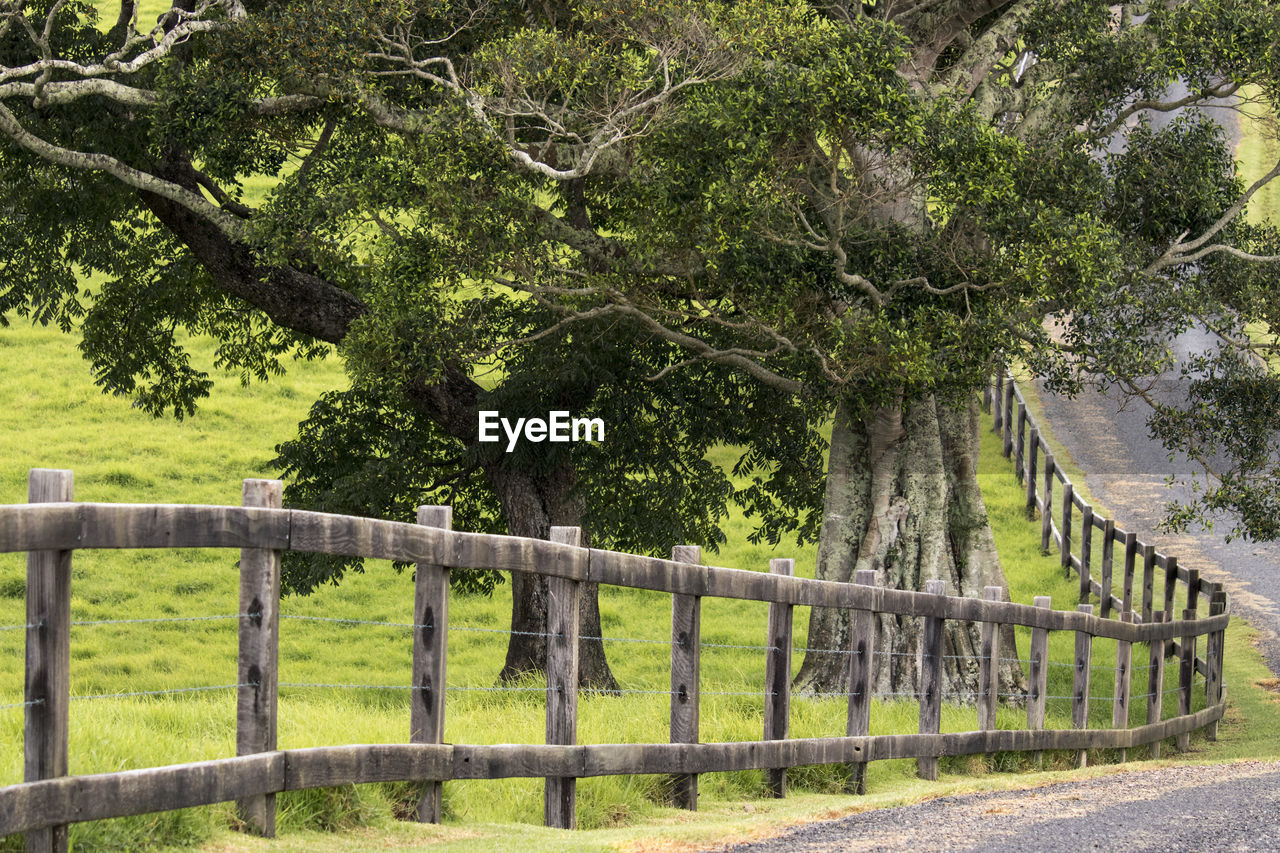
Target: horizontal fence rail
x,y
131,792
52,527
162,526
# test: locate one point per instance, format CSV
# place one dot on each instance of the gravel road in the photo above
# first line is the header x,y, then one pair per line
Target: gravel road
x,y
1126,471
1217,808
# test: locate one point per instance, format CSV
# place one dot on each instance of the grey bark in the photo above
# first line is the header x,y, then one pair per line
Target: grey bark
x,y
902,499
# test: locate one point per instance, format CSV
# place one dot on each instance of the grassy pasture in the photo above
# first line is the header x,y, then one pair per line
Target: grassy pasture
x,y
1257,151
54,417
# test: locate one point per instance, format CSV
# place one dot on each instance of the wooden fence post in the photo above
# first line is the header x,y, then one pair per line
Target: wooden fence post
x,y
1126,572
1039,675
1080,690
1108,564
1008,418
997,410
777,678
1130,559
986,395
1170,586
686,643
1155,683
1186,675
1020,444
931,682
1086,558
989,674
861,668
1193,596
1107,578
48,657
1124,676
1148,574
563,594
1046,509
1032,460
259,655
430,647
1068,496
1213,658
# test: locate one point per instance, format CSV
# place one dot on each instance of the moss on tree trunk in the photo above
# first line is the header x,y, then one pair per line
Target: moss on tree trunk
x,y
903,500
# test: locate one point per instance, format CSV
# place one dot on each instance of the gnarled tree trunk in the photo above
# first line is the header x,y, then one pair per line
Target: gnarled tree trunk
x,y
903,500
533,503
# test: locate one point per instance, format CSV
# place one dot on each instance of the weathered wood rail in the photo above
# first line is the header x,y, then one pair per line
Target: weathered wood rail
x,y
52,527
1141,565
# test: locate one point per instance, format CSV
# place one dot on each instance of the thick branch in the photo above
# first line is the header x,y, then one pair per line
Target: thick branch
x,y
162,48
292,298
149,183
941,28
1224,90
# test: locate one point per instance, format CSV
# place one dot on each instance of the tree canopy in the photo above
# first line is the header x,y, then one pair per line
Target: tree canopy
x,y
704,222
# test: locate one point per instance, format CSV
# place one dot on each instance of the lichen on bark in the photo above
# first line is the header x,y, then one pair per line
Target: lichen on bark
x,y
903,500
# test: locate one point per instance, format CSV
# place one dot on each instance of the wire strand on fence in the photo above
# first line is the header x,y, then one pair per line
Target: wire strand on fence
x,y
472,630
732,646
22,704
355,621
1163,693
844,695
16,628
627,640
348,686
157,619
163,692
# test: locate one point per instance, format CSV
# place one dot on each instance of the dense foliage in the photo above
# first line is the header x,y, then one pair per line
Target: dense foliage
x,y
704,222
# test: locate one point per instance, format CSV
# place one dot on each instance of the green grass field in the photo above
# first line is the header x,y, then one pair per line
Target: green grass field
x,y
1258,152
54,417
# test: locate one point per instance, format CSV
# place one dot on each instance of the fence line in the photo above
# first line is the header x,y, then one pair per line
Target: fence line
x,y
1136,555
52,527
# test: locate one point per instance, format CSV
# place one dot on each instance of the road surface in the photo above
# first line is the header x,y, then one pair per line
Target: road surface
x,y
1126,471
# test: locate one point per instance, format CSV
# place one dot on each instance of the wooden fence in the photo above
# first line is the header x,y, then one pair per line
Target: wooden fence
x,y
1180,589
51,527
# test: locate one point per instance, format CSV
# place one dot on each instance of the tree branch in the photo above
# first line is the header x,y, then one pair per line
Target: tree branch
x,y
85,161
1181,253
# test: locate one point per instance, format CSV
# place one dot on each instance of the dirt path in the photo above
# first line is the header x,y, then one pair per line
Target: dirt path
x,y
1217,808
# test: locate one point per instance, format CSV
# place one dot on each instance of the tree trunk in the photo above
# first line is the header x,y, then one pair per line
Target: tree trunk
x,y
902,498
532,504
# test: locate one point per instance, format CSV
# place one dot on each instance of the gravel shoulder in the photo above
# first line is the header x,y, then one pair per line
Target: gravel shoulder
x,y
1225,807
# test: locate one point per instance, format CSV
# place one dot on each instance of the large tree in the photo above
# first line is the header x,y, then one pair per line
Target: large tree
x,y
129,155
843,209
869,205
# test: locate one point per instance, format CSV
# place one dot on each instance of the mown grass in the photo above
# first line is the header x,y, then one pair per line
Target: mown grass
x,y
56,418
1257,152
